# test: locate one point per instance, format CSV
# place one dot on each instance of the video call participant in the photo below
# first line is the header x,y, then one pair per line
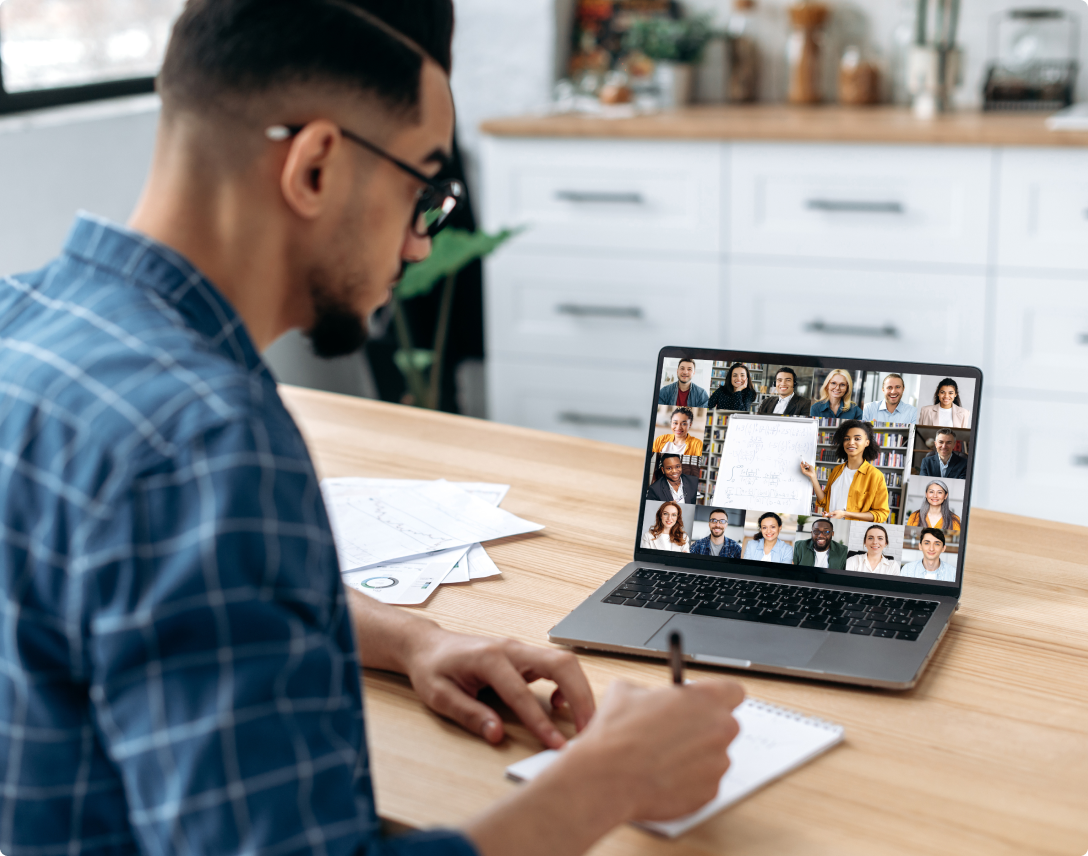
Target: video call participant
x,y
856,490
932,565
946,410
873,560
683,393
667,533
765,545
716,544
737,393
822,550
787,403
935,511
892,408
680,442
673,484
943,462
836,398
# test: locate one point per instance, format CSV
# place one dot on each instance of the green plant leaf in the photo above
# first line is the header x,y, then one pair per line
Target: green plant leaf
x,y
670,39
413,361
453,249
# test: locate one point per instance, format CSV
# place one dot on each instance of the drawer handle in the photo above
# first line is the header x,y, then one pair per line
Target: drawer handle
x,y
600,420
1080,460
886,332
846,206
580,311
600,197
1083,338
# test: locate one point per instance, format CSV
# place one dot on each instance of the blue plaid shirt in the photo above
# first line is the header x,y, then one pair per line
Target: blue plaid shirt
x,y
177,667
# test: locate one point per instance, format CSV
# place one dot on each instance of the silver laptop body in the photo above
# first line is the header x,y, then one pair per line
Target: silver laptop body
x,y
625,616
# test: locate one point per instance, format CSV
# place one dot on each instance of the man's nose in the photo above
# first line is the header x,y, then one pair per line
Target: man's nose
x,y
415,248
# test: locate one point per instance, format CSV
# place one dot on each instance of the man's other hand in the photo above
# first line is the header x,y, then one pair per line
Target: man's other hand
x,y
448,670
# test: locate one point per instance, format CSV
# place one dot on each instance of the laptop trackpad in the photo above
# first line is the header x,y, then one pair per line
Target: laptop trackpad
x,y
766,644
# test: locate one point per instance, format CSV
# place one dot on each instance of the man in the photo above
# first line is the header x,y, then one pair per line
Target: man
x,y
683,393
680,441
943,462
892,408
788,403
675,484
821,551
932,565
186,677
716,544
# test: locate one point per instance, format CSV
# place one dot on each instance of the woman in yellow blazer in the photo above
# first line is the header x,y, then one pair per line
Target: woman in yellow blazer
x,y
680,442
855,490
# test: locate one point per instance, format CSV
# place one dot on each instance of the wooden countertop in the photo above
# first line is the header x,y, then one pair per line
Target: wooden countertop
x,y
779,123
985,756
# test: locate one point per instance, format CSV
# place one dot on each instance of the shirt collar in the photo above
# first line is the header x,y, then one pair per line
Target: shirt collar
x,y
155,267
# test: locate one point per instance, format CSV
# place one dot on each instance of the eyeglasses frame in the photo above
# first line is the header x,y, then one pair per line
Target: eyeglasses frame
x,y
279,133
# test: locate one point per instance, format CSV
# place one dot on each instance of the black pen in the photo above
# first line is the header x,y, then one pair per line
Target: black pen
x,y
676,657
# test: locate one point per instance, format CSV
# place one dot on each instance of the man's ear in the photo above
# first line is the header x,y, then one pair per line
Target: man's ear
x,y
310,169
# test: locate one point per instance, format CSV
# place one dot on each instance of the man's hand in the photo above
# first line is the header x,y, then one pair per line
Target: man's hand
x,y
648,755
448,670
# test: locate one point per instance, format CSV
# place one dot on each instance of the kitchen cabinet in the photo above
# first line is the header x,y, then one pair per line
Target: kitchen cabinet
x,y
956,253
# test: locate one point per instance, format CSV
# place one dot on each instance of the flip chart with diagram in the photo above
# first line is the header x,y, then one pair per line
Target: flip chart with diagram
x,y
761,464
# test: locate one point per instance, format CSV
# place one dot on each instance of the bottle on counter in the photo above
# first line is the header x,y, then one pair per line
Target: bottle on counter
x,y
803,52
859,79
743,81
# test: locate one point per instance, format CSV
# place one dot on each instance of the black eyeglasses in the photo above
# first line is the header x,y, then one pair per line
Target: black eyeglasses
x,y
438,199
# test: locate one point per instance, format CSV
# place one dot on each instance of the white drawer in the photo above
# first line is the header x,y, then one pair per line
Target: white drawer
x,y
631,195
602,309
1044,209
579,400
885,315
886,203
1038,466
1042,334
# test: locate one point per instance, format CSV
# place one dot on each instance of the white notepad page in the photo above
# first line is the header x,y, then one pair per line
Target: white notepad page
x,y
772,742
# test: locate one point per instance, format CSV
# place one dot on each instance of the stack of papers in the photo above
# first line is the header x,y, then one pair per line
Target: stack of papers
x,y
398,540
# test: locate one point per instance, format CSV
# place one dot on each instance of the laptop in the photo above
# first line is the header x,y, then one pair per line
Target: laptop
x,y
799,515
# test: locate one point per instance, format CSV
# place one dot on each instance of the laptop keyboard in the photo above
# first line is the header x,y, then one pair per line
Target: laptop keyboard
x,y
775,603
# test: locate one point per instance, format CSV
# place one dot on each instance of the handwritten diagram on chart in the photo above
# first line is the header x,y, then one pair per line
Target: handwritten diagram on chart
x,y
761,464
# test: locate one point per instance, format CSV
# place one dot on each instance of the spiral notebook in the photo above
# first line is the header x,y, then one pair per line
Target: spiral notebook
x,y
773,741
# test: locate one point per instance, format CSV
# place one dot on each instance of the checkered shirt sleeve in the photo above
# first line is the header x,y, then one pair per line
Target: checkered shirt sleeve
x,y
177,667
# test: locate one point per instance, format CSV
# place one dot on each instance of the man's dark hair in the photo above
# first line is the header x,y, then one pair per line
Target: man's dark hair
x,y
839,439
665,457
936,533
788,371
947,431
686,411
825,521
686,360
714,511
223,52
428,23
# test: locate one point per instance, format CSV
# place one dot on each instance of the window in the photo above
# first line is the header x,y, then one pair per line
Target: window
x,y
64,51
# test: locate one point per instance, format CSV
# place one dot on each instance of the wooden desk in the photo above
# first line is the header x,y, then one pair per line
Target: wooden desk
x,y
988,755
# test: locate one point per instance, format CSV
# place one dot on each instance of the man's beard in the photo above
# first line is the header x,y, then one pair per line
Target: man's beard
x,y
338,329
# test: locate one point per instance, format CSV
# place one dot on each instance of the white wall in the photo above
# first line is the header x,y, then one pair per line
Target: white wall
x,y
56,162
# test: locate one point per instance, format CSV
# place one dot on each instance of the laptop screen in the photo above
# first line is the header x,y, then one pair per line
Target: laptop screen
x,y
806,467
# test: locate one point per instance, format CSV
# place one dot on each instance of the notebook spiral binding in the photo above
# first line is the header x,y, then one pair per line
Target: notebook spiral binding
x,y
786,712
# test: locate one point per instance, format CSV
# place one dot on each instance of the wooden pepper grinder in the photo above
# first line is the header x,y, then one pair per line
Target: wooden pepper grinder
x,y
803,52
